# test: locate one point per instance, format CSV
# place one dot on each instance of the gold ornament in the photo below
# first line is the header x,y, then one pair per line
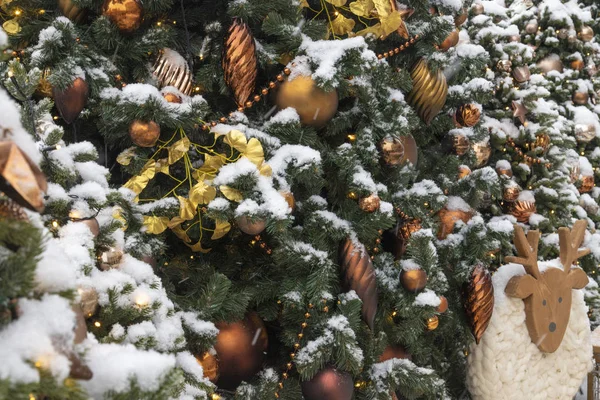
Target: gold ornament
x,y
370,203
397,151
210,366
171,69
314,105
71,101
550,63
11,210
110,258
511,193
250,226
586,33
585,133
504,65
479,301
71,11
460,144
239,61
172,98
450,41
477,9
500,170
522,210
413,280
542,141
520,111
432,323
577,65
11,26
521,73
21,180
88,300
428,94
580,98
443,307
587,184
359,275
144,134
448,218
467,115
482,151
125,14
240,349
463,171
532,27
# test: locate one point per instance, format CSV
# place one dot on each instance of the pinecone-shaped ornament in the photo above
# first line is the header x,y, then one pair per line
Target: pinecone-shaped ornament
x,y
239,61
479,301
11,210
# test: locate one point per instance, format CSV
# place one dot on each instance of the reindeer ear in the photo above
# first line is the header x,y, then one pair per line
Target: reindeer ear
x,y
578,279
521,286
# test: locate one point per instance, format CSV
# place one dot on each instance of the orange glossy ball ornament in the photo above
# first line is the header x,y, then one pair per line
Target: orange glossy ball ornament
x,y
172,98
450,41
397,151
577,65
433,323
443,307
314,105
144,133
413,279
125,14
329,384
250,226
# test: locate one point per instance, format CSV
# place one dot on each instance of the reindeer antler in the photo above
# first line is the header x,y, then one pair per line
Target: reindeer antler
x,y
527,249
570,240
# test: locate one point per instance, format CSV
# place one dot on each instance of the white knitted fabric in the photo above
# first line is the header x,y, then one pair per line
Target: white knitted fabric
x,y
506,365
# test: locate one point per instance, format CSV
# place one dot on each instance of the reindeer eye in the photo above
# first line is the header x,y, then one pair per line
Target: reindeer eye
x,y
544,302
560,299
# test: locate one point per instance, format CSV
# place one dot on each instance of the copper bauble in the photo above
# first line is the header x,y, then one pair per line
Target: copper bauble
x,y
448,218
413,280
467,115
550,63
290,199
586,33
88,299
92,224
532,26
394,351
250,226
432,323
460,18
20,178
463,171
477,9
239,61
580,98
329,384
370,203
210,366
172,97
125,14
397,151
71,101
577,65
314,105
240,349
460,143
522,210
144,133
585,133
511,193
450,41
443,307
504,170
587,184
504,65
479,300
521,73
71,11
482,151
171,69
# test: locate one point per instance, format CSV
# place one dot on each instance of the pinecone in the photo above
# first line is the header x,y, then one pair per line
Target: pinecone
x,y
11,210
239,61
479,301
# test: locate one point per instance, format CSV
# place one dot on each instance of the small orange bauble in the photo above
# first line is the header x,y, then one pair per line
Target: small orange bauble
x,y
144,134
450,41
443,307
433,323
463,171
413,279
577,64
289,198
172,98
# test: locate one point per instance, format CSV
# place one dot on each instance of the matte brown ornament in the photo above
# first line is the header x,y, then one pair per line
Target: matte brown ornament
x,y
71,101
210,366
88,301
21,180
171,69
521,73
443,307
522,210
477,9
577,65
399,150
532,27
314,105
358,275
172,98
9,209
125,14
71,11
479,301
585,133
448,219
432,323
144,133
250,226
580,98
450,41
239,61
460,144
586,33
329,384
548,295
429,91
467,115
550,63
482,151
240,349
511,193
587,184
370,203
413,280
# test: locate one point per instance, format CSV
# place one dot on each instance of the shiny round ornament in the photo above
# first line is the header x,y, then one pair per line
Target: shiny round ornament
x,y
432,323
450,41
210,366
463,171
250,226
522,210
467,115
577,65
125,14
562,33
397,151
394,351
172,98
572,38
587,184
329,384
580,98
290,199
448,218
477,9
144,133
586,33
460,144
521,73
71,101
511,193
443,307
532,27
504,65
482,151
110,258
71,11
502,169
413,280
585,133
550,63
370,203
315,106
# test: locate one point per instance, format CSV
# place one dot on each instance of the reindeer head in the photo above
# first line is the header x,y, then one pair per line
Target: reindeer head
x,y
547,295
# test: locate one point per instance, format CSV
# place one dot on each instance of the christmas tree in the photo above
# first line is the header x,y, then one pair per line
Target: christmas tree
x,y
265,199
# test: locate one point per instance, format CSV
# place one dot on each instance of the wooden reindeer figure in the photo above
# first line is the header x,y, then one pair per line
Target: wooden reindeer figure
x,y
547,295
